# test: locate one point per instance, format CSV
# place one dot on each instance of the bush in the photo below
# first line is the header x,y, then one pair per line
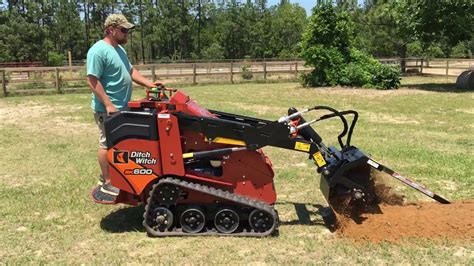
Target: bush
x,y
214,51
246,72
365,71
328,46
386,77
460,51
433,51
354,75
415,49
56,59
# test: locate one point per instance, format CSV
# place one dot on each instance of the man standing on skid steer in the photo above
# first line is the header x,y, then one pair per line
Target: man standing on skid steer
x,y
110,76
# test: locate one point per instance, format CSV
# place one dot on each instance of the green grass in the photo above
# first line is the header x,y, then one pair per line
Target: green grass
x,y
48,165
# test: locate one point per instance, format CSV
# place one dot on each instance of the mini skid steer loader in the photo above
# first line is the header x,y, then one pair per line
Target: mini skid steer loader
x,y
203,172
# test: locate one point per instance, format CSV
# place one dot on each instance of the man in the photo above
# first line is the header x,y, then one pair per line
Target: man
x,y
110,76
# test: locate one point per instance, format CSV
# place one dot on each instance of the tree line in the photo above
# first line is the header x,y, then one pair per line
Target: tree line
x,y
229,29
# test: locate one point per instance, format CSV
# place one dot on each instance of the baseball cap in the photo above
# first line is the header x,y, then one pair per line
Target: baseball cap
x,y
117,20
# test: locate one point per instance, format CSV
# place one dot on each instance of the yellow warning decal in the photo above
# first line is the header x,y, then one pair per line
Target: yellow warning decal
x,y
302,146
228,141
188,155
319,159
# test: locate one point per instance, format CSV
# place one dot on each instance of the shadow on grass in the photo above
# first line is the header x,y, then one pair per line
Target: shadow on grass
x,y
124,220
130,219
328,219
436,87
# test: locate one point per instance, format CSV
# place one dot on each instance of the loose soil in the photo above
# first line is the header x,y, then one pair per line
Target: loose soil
x,y
417,220
387,217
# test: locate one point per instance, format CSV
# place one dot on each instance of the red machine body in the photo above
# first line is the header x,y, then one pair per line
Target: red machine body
x,y
136,163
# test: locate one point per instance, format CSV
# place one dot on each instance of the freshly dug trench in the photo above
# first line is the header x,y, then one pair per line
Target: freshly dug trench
x,y
416,220
385,216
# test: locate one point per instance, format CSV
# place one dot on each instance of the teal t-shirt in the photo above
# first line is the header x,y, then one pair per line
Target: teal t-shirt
x,y
111,67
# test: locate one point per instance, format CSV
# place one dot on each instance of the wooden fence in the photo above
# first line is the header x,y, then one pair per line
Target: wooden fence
x,y
449,67
34,80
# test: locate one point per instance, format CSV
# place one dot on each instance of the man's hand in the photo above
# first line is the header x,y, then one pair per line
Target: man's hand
x,y
110,109
99,92
158,84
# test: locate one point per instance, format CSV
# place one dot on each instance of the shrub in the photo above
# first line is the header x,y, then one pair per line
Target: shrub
x,y
56,59
246,72
433,51
328,46
354,75
386,77
460,50
414,49
214,51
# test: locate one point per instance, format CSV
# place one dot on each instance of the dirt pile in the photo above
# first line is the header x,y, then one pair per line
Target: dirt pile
x,y
417,220
385,215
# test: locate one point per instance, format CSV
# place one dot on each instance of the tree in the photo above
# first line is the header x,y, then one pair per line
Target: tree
x,y
68,29
326,44
288,24
443,19
21,35
328,47
388,26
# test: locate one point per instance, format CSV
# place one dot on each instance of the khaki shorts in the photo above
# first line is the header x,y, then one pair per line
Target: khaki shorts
x,y
99,120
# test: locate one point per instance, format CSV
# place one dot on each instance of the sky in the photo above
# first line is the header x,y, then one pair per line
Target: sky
x,y
307,4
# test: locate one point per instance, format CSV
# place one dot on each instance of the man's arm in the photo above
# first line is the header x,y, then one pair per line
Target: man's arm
x,y
99,92
141,80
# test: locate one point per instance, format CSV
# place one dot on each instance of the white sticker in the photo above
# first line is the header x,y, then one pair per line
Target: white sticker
x,y
163,115
374,164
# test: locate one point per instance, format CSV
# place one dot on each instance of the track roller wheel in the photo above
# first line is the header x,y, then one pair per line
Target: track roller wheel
x,y
193,220
260,221
162,219
226,221
167,194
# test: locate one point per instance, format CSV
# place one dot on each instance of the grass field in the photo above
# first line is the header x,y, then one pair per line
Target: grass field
x,y
48,165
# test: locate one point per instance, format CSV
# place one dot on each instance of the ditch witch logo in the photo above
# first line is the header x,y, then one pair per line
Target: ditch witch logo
x,y
121,157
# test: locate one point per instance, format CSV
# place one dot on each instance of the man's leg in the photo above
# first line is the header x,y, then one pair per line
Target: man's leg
x,y
105,192
104,165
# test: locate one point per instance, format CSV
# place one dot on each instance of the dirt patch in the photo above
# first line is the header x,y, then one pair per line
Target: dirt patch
x,y
385,216
49,119
417,220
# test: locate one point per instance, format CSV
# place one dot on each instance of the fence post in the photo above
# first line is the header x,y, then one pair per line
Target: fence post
x,y
69,55
57,80
232,72
447,67
421,68
194,74
265,70
153,73
296,69
4,84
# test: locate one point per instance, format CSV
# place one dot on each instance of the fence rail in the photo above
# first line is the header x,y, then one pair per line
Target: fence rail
x,y
18,80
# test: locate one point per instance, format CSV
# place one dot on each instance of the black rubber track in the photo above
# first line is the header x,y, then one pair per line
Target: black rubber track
x,y
153,202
